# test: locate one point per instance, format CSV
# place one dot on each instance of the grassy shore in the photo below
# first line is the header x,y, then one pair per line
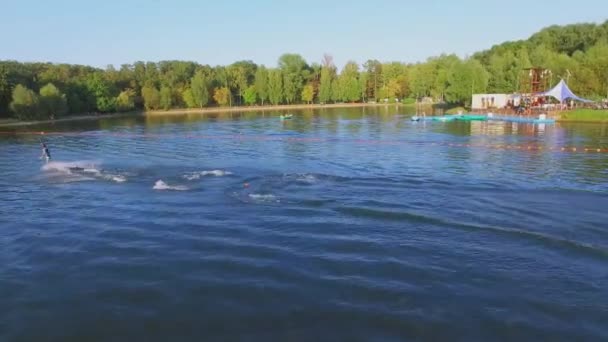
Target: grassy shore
x,y
457,110
584,115
14,122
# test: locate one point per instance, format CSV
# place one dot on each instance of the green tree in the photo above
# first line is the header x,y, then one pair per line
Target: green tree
x,y
349,83
315,77
395,72
438,70
325,85
224,80
289,88
52,103
151,97
126,100
79,98
222,96
239,80
422,78
275,86
261,83
250,95
295,71
363,81
596,60
567,39
390,90
499,67
188,98
166,98
200,93
103,91
465,79
5,90
308,93
25,103
337,92
243,75
151,74
374,70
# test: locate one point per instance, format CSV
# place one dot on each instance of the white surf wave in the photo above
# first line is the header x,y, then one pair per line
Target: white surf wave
x,y
199,174
160,185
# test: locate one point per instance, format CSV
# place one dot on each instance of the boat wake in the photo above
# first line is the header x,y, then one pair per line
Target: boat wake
x,y
284,188
82,170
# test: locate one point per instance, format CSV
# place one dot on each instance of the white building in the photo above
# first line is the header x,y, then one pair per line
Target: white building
x,y
488,101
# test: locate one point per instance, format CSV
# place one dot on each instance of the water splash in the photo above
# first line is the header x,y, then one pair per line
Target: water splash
x,y
199,174
265,198
82,170
160,185
70,167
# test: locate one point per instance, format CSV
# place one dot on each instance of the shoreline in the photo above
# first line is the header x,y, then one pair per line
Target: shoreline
x,y
215,110
210,110
85,117
182,111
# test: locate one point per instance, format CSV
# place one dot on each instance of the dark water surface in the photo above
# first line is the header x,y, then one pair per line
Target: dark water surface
x,y
344,224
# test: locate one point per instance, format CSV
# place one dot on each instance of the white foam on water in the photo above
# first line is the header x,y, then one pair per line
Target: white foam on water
x,y
116,178
306,178
160,185
264,197
198,175
67,172
67,167
90,170
82,170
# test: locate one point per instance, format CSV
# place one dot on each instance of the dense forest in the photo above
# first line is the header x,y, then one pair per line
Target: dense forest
x,y
578,53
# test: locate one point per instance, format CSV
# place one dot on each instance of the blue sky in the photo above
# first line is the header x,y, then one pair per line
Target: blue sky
x,y
221,32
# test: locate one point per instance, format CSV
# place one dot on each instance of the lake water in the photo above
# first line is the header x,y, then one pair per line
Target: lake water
x,y
341,224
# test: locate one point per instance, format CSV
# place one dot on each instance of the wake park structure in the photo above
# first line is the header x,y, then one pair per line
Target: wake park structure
x,y
532,97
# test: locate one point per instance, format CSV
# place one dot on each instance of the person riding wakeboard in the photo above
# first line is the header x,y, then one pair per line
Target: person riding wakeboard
x,y
45,152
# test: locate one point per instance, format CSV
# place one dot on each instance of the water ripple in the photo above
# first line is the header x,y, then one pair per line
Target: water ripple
x,y
339,225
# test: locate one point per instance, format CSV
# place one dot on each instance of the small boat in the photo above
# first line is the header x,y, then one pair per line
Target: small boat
x,y
415,118
286,116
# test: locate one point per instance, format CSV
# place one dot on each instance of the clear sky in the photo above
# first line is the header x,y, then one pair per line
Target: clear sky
x,y
106,32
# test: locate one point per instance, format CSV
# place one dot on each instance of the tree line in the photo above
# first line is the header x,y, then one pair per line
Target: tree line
x,y
578,53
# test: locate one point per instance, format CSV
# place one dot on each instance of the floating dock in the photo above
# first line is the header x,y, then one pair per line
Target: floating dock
x,y
445,118
490,117
522,119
